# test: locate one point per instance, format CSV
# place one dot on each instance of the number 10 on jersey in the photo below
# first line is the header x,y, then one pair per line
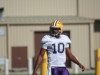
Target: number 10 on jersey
x,y
58,48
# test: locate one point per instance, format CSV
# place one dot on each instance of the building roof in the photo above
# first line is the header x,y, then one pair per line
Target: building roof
x,y
44,20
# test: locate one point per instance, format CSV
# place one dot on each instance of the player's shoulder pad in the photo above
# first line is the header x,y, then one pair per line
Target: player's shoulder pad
x,y
66,38
45,38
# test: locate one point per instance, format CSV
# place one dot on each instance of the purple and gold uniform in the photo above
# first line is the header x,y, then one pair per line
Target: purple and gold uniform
x,y
56,51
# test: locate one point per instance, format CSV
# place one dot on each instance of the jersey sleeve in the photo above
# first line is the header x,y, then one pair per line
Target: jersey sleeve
x,y
44,42
68,41
67,45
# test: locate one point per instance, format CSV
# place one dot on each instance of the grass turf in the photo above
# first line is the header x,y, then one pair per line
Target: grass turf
x,y
83,74
70,74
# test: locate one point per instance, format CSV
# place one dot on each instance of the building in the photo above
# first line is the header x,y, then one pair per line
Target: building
x,y
26,22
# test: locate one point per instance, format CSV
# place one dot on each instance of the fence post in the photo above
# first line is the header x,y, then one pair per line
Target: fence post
x,y
76,68
98,61
30,66
6,67
44,65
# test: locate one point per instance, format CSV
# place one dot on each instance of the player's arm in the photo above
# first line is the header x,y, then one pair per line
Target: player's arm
x,y
39,60
73,58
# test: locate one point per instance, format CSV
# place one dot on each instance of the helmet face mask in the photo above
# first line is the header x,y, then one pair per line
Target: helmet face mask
x,y
55,32
56,28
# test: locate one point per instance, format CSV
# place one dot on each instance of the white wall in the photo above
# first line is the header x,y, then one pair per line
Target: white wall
x,y
89,8
3,41
38,7
86,8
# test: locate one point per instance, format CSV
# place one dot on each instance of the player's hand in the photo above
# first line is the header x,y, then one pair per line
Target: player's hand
x,y
34,73
82,67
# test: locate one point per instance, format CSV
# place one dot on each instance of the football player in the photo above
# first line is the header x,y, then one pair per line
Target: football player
x,y
57,47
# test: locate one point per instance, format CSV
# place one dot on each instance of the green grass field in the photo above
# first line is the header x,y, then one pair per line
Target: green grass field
x,y
70,74
84,74
39,74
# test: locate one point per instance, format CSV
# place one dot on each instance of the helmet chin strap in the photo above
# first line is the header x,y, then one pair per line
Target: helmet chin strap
x,y
57,35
